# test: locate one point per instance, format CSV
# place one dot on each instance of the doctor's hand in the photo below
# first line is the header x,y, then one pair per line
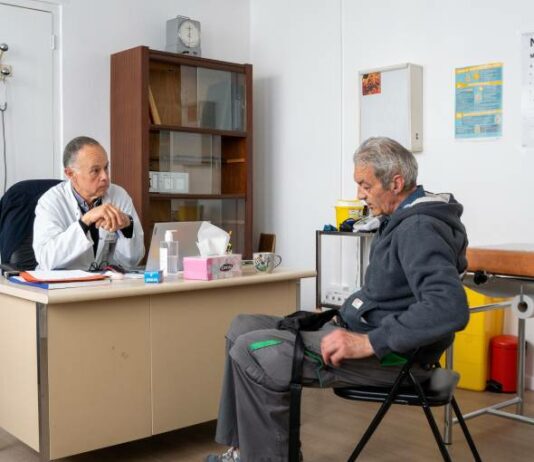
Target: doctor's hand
x,y
106,216
342,344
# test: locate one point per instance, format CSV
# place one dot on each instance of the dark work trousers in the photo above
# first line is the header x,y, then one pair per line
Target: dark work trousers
x,y
254,406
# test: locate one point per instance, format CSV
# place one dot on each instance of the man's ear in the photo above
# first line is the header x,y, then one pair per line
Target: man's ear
x,y
69,172
398,184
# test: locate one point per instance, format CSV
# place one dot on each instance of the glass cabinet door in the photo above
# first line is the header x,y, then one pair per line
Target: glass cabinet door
x,y
227,214
185,163
197,97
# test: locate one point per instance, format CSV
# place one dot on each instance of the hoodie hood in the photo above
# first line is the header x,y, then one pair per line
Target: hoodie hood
x,y
442,207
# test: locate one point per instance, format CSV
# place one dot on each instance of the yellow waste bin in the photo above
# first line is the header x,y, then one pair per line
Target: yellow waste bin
x,y
471,345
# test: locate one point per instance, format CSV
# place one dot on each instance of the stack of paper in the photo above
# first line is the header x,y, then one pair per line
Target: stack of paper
x,y
60,279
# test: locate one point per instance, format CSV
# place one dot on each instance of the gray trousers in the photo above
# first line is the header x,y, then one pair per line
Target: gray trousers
x,y
254,406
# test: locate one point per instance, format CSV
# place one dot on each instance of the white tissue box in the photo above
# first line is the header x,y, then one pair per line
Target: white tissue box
x,y
214,267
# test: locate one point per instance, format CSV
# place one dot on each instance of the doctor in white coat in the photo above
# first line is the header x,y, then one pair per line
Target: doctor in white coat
x,y
86,221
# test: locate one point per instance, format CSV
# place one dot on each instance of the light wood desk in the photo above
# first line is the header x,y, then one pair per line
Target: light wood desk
x,y
91,367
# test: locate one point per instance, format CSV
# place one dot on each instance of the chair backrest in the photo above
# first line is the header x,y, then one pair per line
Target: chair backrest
x,y
267,243
17,214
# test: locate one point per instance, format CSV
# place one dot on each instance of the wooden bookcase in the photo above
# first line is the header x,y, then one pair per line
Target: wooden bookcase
x,y
181,139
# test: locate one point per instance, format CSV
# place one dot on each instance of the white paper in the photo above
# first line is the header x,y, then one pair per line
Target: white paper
x,y
212,240
527,90
523,307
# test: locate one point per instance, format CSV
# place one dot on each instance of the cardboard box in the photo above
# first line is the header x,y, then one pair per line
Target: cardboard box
x,y
209,268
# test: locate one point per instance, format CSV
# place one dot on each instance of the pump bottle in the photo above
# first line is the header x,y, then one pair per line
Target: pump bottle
x,y
168,254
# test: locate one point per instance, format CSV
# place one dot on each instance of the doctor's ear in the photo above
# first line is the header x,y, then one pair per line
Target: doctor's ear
x,y
69,172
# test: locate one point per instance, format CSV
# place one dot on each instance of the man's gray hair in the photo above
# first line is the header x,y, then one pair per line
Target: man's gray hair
x,y
388,158
73,147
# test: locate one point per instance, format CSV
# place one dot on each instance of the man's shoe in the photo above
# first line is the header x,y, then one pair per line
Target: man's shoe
x,y
232,455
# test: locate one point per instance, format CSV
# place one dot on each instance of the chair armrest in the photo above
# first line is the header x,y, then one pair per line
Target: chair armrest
x,y
8,270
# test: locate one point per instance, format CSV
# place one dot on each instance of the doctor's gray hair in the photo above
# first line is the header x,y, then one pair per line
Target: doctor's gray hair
x,y
388,158
73,146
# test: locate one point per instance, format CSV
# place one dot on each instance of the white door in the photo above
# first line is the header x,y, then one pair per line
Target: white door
x,y
29,93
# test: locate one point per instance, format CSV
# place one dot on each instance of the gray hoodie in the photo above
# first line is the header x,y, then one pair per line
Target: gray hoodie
x,y
412,296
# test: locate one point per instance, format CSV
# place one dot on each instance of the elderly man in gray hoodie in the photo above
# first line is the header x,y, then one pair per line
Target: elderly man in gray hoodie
x,y
412,298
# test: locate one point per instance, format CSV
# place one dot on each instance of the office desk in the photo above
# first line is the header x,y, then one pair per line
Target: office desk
x,y
91,367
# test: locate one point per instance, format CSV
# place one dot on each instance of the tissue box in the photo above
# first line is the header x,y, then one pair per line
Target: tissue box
x,y
209,268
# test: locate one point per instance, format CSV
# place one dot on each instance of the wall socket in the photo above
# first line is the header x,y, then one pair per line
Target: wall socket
x,y
336,294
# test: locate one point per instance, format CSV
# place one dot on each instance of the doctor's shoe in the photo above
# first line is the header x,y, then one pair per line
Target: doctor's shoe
x,y
232,455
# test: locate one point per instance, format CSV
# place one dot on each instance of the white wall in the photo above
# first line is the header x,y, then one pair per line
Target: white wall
x,y
94,29
296,52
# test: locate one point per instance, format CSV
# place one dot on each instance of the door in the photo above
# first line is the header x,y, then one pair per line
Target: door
x,y
29,92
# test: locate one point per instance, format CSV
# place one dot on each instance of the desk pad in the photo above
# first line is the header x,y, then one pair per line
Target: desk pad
x,y
507,259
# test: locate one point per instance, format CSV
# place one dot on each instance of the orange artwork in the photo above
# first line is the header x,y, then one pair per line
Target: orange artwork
x,y
371,84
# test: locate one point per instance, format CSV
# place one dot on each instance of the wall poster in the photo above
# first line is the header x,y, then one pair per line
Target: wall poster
x,y
478,101
527,89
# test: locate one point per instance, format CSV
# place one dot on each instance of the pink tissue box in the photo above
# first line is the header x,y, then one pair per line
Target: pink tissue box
x,y
216,267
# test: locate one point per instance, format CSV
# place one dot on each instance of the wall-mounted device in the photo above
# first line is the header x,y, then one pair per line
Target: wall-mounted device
x,y
183,36
3,48
5,69
391,104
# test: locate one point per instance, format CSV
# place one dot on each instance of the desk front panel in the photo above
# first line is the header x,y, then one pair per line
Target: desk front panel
x,y
188,346
99,374
18,375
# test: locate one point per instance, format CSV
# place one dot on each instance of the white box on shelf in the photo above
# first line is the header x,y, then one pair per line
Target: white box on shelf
x,y
180,182
173,182
153,181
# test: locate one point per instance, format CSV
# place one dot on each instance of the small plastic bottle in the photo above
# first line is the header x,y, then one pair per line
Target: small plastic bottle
x,y
168,254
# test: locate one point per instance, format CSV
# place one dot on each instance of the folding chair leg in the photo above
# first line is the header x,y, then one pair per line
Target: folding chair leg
x,y
436,433
381,412
430,418
466,431
371,429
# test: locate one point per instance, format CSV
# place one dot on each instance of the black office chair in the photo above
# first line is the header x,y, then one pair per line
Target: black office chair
x,y
438,390
17,214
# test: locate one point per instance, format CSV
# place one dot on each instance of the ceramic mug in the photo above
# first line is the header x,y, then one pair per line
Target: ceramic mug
x,y
266,262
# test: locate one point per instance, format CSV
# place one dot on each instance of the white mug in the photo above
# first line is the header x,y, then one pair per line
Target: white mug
x,y
266,262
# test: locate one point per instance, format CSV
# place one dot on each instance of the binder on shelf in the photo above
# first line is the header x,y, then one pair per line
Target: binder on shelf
x,y
154,113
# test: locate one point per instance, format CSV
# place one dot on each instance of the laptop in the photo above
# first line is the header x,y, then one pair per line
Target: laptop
x,y
187,235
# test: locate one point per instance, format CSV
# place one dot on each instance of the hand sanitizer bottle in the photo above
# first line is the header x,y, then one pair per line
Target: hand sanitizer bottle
x,y
168,254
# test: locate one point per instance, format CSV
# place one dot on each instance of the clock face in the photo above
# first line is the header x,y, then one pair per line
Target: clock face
x,y
189,34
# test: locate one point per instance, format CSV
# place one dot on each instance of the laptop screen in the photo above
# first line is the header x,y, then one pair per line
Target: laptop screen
x,y
186,231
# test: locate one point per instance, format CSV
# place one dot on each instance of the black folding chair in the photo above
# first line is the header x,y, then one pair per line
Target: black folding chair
x,y
438,390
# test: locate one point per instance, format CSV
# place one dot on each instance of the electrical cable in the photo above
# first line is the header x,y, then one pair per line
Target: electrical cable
x,y
3,109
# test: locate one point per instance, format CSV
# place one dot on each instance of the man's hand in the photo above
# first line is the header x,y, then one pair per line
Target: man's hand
x,y
342,344
108,217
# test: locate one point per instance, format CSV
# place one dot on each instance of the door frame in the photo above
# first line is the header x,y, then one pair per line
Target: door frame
x,y
55,7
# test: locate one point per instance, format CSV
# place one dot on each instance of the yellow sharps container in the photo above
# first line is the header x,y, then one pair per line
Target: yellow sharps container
x,y
348,209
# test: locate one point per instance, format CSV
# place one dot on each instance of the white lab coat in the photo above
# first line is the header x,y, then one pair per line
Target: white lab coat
x,y
59,241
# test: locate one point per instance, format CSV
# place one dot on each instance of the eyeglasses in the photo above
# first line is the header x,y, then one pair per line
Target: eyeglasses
x,y
98,267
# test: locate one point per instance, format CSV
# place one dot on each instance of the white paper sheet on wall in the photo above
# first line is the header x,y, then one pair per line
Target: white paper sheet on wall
x,y
527,93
